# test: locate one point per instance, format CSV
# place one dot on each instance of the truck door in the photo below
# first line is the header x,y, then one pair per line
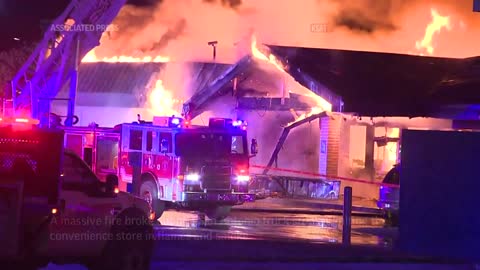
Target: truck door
x,y
87,212
106,155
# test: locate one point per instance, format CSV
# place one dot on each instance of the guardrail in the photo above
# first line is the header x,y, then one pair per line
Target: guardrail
x,y
325,176
292,186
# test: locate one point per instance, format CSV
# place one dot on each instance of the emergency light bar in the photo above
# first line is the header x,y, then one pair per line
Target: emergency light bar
x,y
226,123
165,121
19,120
220,122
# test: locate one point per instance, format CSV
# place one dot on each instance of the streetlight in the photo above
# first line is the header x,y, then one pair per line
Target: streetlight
x,y
214,47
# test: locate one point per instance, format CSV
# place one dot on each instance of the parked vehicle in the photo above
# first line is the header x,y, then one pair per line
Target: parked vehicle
x,y
389,195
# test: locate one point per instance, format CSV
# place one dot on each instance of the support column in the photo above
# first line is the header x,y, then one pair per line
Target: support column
x,y
369,152
329,145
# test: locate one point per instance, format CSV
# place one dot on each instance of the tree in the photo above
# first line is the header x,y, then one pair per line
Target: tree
x,y
10,62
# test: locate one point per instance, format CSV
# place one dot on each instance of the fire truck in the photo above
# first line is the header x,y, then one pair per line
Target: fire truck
x,y
54,208
171,163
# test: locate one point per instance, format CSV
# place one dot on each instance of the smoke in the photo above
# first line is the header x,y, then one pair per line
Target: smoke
x,y
181,29
368,16
228,3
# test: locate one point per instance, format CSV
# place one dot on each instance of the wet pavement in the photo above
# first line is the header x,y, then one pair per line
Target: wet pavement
x,y
176,225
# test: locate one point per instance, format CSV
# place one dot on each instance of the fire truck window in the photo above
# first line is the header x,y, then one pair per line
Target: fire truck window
x,y
107,152
237,145
136,139
88,155
203,145
168,137
149,141
75,173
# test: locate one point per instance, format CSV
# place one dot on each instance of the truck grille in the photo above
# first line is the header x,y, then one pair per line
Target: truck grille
x,y
216,177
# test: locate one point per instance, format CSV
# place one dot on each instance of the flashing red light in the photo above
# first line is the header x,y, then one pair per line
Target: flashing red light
x,y
21,120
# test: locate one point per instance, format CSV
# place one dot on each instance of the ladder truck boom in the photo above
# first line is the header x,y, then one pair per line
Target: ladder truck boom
x,y
55,60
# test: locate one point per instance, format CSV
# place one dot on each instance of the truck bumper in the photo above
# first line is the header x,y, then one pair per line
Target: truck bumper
x,y
230,198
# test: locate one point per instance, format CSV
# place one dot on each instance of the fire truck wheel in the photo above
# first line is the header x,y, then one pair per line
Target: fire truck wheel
x,y
218,213
149,192
131,245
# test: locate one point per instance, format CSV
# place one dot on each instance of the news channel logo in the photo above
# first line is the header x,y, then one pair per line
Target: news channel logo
x,y
84,27
320,28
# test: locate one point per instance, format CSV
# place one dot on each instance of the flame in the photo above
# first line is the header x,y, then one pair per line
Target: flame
x,y
322,104
162,101
91,57
313,111
435,26
261,56
391,147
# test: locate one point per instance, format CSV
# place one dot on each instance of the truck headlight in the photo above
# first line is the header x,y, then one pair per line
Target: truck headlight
x,y
192,177
243,178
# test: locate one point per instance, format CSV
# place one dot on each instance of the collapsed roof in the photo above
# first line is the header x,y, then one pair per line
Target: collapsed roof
x,y
382,84
254,87
365,83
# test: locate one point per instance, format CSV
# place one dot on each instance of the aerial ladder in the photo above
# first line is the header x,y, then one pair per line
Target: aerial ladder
x,y
56,58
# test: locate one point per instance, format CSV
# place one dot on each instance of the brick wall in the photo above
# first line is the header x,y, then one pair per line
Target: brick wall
x,y
334,156
330,130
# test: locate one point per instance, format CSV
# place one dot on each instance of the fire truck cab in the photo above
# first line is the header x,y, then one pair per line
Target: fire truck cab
x,y
172,164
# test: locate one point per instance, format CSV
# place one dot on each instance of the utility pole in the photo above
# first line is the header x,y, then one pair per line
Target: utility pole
x,y
214,47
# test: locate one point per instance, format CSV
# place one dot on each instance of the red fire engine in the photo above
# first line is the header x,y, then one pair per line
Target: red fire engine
x,y
170,163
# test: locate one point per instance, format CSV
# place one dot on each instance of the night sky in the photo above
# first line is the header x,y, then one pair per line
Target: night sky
x,y
23,18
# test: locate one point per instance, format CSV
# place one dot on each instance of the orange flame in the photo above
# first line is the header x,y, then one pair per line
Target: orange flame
x,y
322,104
313,111
434,27
270,58
91,57
162,101
391,147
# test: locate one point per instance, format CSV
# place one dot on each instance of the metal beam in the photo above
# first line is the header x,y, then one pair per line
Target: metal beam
x,y
318,88
198,102
284,136
271,104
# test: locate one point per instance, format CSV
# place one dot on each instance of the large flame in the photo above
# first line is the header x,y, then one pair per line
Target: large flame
x,y
313,111
321,104
161,100
392,147
270,58
91,57
434,27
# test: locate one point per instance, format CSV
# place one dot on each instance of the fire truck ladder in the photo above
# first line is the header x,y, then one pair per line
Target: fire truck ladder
x,y
56,58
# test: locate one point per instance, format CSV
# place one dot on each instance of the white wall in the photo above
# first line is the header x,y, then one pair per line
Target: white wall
x,y
104,116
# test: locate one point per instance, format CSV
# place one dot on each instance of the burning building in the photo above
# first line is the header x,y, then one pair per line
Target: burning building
x,y
380,91
353,120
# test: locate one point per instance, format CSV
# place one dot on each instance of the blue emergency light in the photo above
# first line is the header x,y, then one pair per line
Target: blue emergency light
x,y
163,121
175,121
226,123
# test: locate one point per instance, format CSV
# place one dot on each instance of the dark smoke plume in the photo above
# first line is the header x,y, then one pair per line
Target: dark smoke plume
x,y
358,22
230,3
177,30
369,16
